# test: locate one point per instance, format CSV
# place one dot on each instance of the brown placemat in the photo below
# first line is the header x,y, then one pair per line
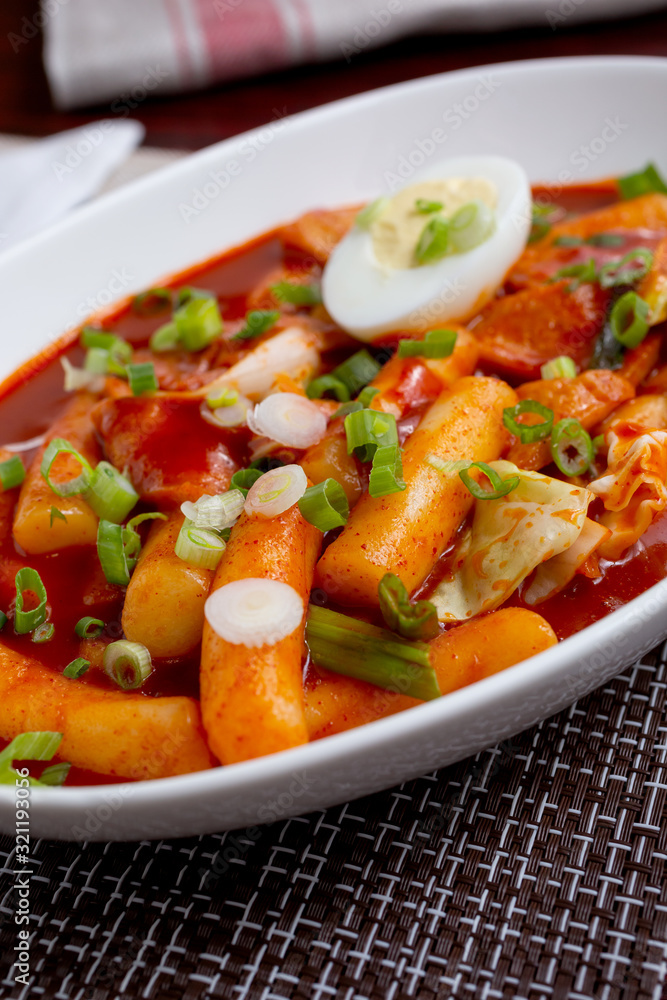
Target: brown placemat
x,y
533,871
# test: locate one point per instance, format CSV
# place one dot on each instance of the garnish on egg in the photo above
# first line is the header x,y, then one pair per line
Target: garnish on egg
x,y
434,251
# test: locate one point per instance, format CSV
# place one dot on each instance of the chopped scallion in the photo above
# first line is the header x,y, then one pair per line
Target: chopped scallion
x,y
223,396
426,207
500,487
44,633
110,494
367,395
29,580
142,378
436,344
629,318
569,436
80,483
165,338
127,663
325,505
328,383
624,271
89,628
198,323
645,181
77,668
366,216
354,648
412,621
582,273
297,295
470,226
111,553
153,301
560,367
386,472
433,244
245,478
12,473
528,433
366,430
198,546
257,322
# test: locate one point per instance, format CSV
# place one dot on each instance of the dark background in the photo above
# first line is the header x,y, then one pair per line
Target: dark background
x,y
195,120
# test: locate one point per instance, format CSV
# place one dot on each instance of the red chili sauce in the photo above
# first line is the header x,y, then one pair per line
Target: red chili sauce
x,y
32,398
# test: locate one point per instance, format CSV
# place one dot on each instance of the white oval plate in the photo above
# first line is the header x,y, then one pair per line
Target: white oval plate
x,y
565,120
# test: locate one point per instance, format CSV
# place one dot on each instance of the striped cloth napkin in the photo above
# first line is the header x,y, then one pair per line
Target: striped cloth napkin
x,y
124,50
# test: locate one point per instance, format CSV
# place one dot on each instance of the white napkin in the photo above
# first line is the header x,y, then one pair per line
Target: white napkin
x,y
44,180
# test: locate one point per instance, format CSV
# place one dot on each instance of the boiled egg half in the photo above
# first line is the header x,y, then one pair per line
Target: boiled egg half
x,y
434,251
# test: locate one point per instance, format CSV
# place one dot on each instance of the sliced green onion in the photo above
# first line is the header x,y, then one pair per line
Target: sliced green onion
x,y
568,435
276,491
560,367
366,396
118,348
257,322
628,319
366,430
245,478
372,211
222,396
55,774
297,295
80,483
216,512
325,505
426,207
28,579
598,442
470,226
141,378
89,628
3,620
446,466
12,473
357,371
528,433
198,322
605,240
127,663
436,344
353,407
580,272
568,241
56,514
189,292
541,221
98,361
646,181
328,383
110,494
44,633
622,272
386,472
199,547
500,487
412,621
153,301
77,668
131,537
354,648
165,338
30,746
111,553
433,244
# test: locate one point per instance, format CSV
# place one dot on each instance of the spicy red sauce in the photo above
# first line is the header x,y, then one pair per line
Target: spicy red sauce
x,y
33,396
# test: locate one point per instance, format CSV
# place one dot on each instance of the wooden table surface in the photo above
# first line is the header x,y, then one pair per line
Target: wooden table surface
x,y
195,120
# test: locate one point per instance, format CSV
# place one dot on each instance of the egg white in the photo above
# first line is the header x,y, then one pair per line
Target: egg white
x,y
368,300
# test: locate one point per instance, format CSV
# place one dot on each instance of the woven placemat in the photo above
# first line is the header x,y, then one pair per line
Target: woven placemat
x,y
534,870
